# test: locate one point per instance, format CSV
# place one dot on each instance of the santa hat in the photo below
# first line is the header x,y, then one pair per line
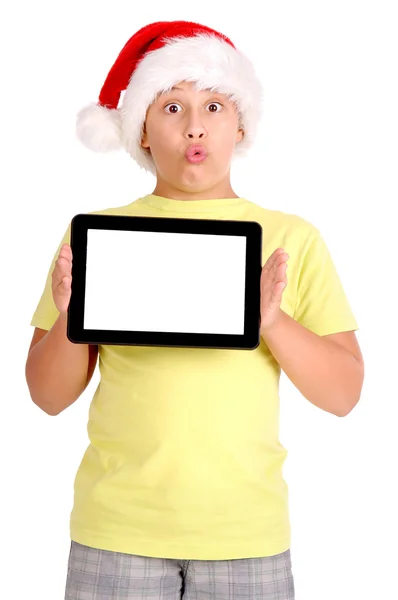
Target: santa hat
x,y
153,60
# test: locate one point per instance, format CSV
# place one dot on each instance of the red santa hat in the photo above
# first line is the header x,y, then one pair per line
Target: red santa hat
x,y
154,59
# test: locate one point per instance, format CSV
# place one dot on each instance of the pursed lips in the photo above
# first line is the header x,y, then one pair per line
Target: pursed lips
x,y
196,153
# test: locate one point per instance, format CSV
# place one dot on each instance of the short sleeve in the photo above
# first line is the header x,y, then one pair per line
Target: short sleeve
x,y
46,312
321,302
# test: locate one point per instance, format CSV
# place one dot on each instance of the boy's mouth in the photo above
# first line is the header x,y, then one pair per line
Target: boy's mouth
x,y
196,153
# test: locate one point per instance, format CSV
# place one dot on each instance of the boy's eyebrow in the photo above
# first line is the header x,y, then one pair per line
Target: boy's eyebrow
x,y
175,87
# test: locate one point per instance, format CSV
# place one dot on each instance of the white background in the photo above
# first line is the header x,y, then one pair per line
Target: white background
x,y
326,150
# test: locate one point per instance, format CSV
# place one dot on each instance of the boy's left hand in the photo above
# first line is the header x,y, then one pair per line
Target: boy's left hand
x,y
272,283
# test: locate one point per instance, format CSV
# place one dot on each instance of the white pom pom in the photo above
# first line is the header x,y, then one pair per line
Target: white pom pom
x,y
99,128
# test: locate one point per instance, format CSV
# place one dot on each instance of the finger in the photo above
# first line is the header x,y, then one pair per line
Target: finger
x,y
269,266
279,287
278,258
280,280
62,268
270,269
269,284
280,269
277,271
281,274
271,259
276,254
64,262
66,251
282,257
63,288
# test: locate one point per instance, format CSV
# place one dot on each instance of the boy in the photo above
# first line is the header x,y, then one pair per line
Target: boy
x,y
180,492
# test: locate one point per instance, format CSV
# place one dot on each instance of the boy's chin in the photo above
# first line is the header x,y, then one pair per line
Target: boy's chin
x,y
191,184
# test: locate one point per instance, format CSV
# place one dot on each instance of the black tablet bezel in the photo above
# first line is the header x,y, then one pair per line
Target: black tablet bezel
x,y
250,229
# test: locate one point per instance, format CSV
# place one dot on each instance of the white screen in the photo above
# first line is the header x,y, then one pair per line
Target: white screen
x,y
167,282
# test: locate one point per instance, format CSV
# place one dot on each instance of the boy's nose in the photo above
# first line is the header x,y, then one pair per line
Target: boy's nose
x,y
195,130
196,134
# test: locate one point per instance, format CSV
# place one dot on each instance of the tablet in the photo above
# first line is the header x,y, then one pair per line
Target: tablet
x,y
162,281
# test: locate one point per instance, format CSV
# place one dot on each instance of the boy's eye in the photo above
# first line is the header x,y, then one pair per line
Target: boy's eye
x,y
175,107
214,104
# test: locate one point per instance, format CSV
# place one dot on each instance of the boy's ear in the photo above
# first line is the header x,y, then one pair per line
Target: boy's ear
x,y
241,132
144,140
240,135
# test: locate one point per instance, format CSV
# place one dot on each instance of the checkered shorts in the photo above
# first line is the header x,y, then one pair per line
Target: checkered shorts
x,y
104,575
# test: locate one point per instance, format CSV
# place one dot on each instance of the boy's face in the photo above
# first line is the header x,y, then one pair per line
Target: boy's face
x,y
182,117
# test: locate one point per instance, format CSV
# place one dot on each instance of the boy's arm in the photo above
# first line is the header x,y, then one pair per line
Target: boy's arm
x,y
328,370
58,371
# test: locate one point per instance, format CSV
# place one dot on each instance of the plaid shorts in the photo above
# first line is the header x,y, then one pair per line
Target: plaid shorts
x,y
104,575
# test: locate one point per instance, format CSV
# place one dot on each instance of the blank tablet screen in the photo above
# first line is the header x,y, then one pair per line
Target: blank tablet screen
x,y
165,281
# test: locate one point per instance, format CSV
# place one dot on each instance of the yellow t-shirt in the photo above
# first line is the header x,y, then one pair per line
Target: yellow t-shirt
x,y
184,459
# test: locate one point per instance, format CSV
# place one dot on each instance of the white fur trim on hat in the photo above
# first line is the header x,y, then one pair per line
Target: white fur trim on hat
x,y
205,59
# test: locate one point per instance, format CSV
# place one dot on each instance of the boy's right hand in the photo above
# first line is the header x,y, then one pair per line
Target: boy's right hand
x,y
62,279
